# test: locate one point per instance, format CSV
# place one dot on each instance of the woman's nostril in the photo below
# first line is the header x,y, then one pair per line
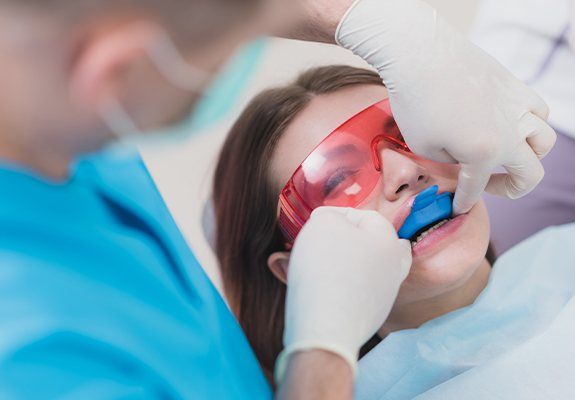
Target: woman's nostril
x,y
401,188
420,178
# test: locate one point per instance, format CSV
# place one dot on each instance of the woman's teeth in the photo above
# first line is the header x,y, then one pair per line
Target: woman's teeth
x,y
423,234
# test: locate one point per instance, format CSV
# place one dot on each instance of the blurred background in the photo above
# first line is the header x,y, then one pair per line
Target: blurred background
x,y
183,171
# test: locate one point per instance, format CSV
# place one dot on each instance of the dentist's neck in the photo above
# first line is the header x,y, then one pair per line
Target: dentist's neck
x,y
415,314
42,160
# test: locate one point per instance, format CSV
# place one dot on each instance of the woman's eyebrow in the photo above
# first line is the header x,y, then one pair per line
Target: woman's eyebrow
x,y
341,150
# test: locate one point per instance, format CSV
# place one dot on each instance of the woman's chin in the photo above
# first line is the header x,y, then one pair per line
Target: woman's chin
x,y
430,280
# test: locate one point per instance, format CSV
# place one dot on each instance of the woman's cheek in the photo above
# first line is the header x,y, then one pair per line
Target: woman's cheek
x,y
374,202
478,231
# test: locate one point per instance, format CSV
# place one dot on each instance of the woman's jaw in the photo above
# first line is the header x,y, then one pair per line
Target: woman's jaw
x,y
449,271
448,265
412,315
444,256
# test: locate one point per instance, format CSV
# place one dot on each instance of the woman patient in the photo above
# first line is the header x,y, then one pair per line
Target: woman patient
x,y
451,268
270,140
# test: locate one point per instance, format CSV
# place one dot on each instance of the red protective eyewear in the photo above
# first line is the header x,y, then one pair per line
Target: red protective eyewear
x,y
343,170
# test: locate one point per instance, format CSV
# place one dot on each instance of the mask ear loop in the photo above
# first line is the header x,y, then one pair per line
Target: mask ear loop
x,y
118,120
174,67
178,72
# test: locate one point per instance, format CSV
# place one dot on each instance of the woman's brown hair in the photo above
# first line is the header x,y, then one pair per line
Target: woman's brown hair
x,y
245,204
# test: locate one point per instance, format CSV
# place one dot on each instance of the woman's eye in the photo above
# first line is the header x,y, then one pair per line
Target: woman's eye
x,y
335,180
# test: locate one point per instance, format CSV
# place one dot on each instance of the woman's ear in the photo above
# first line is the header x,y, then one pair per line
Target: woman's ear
x,y
278,263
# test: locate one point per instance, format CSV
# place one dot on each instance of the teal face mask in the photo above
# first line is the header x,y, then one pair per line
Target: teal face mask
x,y
216,101
225,91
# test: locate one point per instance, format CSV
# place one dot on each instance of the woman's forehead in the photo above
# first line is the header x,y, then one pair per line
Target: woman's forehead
x,y
321,116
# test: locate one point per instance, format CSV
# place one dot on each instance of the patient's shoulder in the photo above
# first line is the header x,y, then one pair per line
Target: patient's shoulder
x,y
547,257
560,239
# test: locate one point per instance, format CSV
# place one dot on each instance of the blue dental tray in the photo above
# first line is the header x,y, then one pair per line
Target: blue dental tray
x,y
428,207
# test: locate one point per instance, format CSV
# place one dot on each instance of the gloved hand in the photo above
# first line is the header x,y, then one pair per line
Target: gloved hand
x,y
345,270
451,100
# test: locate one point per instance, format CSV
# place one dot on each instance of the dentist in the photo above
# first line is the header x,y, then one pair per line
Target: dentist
x,y
100,296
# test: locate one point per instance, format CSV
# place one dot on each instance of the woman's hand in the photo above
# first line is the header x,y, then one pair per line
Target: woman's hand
x,y
345,271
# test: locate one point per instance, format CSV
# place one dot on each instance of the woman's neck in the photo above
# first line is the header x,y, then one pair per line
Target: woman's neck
x,y
415,314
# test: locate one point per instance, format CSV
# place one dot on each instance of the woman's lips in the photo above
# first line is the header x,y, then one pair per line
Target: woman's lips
x,y
403,213
434,238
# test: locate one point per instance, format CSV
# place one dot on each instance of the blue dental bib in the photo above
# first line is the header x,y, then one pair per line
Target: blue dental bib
x,y
428,207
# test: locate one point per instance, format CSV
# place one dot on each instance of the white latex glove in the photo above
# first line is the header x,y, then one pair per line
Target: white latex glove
x,y
345,270
452,101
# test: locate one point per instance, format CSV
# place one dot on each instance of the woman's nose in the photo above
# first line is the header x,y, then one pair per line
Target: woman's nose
x,y
401,175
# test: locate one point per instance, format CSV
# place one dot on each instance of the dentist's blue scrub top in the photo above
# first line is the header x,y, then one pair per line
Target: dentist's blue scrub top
x,y
101,297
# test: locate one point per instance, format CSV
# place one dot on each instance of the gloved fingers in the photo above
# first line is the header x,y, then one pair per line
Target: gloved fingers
x,y
524,172
349,215
432,153
337,212
369,220
377,225
472,181
535,103
539,135
406,259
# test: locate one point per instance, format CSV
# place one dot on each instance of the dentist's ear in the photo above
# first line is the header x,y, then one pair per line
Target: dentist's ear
x,y
102,59
278,263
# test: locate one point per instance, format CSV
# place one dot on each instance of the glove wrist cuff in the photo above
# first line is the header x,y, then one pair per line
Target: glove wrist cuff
x,y
283,360
340,28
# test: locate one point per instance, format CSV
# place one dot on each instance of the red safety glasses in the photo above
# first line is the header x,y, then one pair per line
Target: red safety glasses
x,y
343,170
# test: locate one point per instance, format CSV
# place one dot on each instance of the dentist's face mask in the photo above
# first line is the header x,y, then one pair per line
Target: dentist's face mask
x,y
218,94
